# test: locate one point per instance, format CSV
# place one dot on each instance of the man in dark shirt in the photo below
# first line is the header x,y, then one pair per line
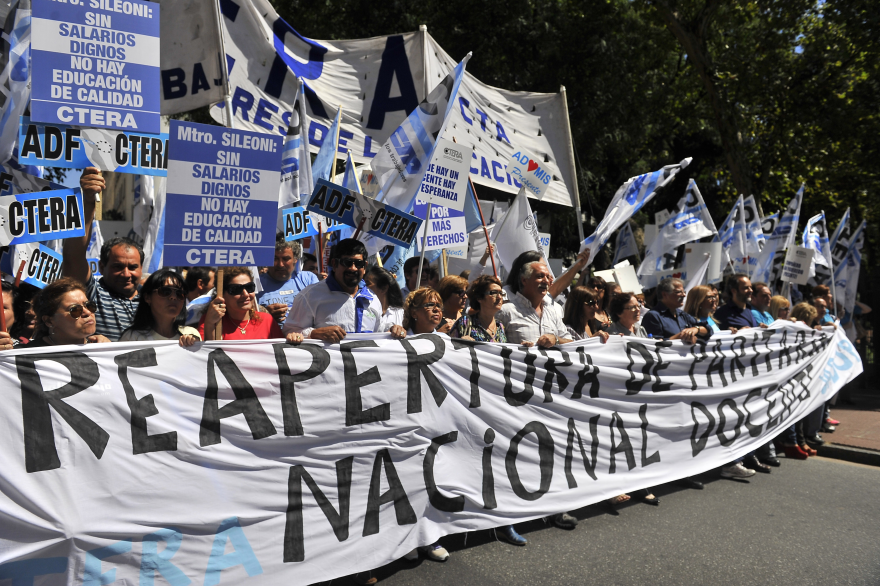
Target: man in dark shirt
x,y
736,313
668,321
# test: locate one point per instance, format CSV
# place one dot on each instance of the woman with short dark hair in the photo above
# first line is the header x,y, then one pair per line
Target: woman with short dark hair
x,y
65,315
486,297
384,286
580,314
240,318
625,310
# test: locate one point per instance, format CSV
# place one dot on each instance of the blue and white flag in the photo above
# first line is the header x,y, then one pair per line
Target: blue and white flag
x,y
842,227
628,200
625,245
325,161
402,161
816,238
732,237
754,234
768,224
154,243
846,273
689,221
296,164
471,213
15,49
769,265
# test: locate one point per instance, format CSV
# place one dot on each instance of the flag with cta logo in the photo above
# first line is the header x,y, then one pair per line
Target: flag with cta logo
x,y
625,245
296,164
629,199
689,221
517,232
846,271
732,237
816,238
403,160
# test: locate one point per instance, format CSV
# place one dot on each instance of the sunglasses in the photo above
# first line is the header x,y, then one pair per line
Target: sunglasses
x,y
76,311
168,291
432,305
352,262
237,288
460,292
592,303
495,294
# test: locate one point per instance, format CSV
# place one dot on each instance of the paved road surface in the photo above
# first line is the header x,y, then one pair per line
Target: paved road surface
x,y
813,522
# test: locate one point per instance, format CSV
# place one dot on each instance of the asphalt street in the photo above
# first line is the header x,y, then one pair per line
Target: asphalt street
x,y
810,522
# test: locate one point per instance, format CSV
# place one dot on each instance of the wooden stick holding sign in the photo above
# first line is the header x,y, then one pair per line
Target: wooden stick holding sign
x,y
320,248
218,330
19,273
360,225
485,230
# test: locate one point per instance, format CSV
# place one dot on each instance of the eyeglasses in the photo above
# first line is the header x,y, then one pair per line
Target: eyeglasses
x,y
460,292
784,309
679,292
631,307
495,294
76,311
590,303
237,288
167,291
715,299
432,305
352,262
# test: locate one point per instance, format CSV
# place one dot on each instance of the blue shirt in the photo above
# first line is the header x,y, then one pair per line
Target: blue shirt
x,y
278,292
762,317
712,325
665,323
730,316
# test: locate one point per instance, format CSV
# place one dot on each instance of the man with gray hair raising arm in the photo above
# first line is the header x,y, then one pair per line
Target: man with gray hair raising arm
x,y
531,318
281,282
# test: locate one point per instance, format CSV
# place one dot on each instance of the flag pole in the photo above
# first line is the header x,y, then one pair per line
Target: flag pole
x,y
424,241
218,279
482,221
227,99
576,199
320,248
831,260
336,142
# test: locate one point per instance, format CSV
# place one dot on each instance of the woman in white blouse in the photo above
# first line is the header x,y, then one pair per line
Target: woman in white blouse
x,y
384,286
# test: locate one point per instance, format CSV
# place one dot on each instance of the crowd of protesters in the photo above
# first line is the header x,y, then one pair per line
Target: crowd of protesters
x,y
296,301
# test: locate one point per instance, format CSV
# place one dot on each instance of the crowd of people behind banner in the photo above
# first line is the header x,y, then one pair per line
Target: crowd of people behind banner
x,y
297,302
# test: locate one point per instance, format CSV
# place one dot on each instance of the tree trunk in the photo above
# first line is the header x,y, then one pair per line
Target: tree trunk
x,y
692,38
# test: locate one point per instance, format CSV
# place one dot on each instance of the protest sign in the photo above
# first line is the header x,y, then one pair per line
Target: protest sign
x,y
57,145
94,266
45,215
224,185
96,65
16,181
797,265
298,224
42,266
446,227
298,464
349,207
529,171
446,177
544,237
694,257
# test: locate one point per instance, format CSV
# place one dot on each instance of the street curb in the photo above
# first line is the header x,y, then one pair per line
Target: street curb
x,y
849,454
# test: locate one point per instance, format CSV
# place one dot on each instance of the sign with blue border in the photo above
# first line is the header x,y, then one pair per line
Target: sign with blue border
x,y
96,63
56,145
42,267
41,216
223,190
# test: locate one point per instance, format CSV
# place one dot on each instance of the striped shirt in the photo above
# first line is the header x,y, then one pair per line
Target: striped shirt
x,y
114,314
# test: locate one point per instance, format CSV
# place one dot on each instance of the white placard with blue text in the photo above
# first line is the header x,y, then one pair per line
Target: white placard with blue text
x,y
531,172
447,176
96,63
223,189
42,266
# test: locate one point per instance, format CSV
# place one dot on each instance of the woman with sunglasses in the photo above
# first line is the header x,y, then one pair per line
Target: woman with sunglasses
x,y
780,307
64,315
422,311
453,292
240,318
23,310
486,297
161,313
581,308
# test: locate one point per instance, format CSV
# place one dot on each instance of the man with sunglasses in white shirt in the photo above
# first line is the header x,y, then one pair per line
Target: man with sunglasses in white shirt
x,y
341,304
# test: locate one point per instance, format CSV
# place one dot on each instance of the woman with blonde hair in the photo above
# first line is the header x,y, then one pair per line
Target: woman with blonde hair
x,y
453,292
702,301
780,307
240,318
422,311
805,312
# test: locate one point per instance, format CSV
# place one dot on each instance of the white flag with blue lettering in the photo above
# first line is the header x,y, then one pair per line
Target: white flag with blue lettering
x,y
770,260
689,221
403,159
628,200
625,245
846,273
154,243
754,233
842,228
15,51
732,237
296,163
816,238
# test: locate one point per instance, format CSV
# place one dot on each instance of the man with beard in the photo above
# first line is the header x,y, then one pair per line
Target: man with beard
x,y
342,303
736,312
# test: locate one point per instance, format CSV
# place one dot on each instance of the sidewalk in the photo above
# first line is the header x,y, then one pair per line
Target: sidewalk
x,y
857,438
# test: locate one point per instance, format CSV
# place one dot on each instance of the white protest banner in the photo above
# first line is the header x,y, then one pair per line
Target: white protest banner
x,y
191,55
225,189
530,172
446,178
56,145
797,265
298,464
98,66
41,216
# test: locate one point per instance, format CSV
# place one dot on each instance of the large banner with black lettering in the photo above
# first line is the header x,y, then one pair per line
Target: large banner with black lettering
x,y
268,463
